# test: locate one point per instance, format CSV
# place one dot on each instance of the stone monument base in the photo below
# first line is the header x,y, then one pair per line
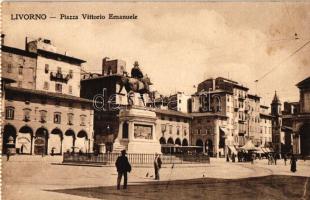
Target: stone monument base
x,y
137,132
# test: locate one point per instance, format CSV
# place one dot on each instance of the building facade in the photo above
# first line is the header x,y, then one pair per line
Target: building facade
x,y
43,110
239,111
265,127
301,120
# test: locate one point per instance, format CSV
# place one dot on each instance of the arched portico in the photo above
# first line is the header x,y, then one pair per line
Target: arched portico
x,y
68,141
55,141
41,141
81,141
199,143
24,140
9,138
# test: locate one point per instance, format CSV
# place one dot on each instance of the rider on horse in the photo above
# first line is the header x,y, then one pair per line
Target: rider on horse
x,y
137,73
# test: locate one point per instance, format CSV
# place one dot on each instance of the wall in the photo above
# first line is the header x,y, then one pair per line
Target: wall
x,y
35,105
43,76
27,79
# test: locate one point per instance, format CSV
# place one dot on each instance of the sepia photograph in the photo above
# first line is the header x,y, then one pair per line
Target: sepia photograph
x,y
155,100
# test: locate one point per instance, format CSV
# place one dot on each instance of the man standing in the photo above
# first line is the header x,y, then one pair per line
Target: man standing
x,y
122,166
284,158
157,165
293,163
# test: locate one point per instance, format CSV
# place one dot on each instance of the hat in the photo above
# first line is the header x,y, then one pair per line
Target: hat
x,y
123,152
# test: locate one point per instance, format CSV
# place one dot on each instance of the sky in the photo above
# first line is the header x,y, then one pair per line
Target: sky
x,y
181,44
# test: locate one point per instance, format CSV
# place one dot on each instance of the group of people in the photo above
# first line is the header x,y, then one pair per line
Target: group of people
x,y
123,167
272,159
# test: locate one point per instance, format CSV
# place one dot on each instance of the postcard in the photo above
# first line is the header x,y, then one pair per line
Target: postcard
x,y
155,100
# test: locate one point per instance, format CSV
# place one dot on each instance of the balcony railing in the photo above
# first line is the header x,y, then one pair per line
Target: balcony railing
x,y
59,77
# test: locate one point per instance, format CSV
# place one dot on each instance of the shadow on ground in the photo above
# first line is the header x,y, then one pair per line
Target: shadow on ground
x,y
267,187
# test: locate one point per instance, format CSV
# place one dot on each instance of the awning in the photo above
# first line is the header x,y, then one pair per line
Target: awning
x,y
233,149
249,146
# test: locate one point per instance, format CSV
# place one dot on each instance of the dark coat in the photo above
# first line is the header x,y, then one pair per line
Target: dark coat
x,y
122,164
157,163
136,73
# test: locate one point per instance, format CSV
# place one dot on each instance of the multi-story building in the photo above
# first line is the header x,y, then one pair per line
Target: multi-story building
x,y
179,102
238,111
301,120
43,109
172,128
252,113
265,127
40,122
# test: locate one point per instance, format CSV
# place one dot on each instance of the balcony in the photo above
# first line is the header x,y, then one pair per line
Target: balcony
x,y
241,97
59,77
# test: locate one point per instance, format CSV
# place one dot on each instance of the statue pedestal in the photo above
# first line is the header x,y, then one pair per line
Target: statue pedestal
x,y
137,132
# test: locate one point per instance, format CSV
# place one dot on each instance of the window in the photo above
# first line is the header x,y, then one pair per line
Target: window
x,y
71,73
20,70
9,68
43,114
70,89
46,85
178,131
70,118
180,101
27,114
58,87
83,120
185,132
46,68
9,113
59,70
170,129
57,118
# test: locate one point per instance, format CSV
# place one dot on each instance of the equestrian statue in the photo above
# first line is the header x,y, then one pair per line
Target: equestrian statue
x,y
137,83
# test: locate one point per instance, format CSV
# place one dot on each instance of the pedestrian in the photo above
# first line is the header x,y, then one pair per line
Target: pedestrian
x,y
8,154
233,157
52,151
122,166
227,158
275,159
253,158
293,164
284,158
157,165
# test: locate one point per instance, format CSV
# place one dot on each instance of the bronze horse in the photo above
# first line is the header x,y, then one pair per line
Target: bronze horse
x,y
133,85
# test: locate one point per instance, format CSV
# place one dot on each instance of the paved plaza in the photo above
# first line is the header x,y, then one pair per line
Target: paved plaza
x,y
31,177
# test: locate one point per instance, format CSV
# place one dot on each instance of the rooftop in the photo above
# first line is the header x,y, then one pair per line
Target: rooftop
x,y
304,83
